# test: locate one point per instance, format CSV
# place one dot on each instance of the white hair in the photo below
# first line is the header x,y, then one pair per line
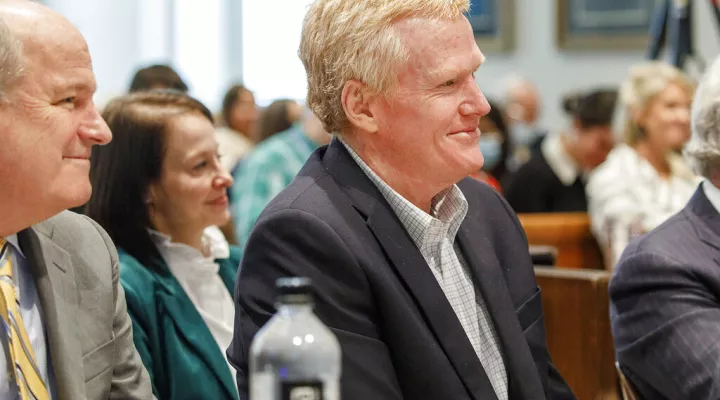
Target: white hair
x,y
11,66
703,149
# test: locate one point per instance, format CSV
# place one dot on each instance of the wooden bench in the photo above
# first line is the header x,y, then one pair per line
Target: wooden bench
x,y
575,304
569,233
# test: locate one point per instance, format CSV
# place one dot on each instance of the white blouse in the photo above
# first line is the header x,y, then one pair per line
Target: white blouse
x,y
627,197
198,276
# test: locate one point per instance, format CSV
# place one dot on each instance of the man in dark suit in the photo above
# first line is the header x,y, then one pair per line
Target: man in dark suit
x,y
65,332
427,284
665,293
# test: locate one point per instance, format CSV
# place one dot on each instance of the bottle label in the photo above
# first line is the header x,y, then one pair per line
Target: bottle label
x,y
301,390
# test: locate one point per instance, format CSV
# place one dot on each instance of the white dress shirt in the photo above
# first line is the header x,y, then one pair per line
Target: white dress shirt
x,y
198,276
560,162
627,197
712,193
434,235
32,318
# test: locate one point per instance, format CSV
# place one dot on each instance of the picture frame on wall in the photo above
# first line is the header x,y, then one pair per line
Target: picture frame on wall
x,y
604,24
493,23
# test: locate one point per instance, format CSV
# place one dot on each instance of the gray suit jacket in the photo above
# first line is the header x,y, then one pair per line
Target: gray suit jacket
x,y
89,332
665,307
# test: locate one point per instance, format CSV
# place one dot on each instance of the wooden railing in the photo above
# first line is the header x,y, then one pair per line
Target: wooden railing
x,y
575,306
569,233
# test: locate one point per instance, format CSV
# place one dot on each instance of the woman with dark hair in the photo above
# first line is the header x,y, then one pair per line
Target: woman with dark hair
x,y
237,126
157,76
159,190
235,134
495,147
554,178
278,117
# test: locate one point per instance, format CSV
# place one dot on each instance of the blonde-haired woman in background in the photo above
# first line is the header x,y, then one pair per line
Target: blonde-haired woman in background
x,y
644,181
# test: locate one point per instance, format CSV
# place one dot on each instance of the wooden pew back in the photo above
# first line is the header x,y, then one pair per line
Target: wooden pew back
x,y
569,233
577,321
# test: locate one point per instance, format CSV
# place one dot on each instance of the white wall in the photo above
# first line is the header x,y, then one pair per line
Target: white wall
x,y
200,49
125,34
121,35
270,44
556,72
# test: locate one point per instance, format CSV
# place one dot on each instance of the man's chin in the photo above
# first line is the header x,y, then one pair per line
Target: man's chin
x,y
76,195
473,163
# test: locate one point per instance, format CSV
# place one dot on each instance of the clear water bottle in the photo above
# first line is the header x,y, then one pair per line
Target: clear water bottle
x,y
294,356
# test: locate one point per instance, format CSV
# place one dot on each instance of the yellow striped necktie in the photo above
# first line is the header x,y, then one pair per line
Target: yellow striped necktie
x,y
22,356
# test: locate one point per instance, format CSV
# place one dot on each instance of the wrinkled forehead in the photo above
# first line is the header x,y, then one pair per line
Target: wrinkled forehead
x,y
48,39
438,47
56,46
58,63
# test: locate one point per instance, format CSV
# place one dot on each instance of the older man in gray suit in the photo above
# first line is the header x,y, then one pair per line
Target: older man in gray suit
x,y
666,290
65,332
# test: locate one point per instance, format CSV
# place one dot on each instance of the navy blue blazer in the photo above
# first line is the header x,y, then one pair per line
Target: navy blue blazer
x,y
399,335
665,306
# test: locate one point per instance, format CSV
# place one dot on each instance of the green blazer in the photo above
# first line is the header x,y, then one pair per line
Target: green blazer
x,y
176,347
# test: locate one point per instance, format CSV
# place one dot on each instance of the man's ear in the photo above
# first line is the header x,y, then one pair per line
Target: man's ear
x,y
356,101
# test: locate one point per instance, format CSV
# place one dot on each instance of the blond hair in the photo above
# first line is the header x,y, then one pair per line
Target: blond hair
x,y
646,81
354,39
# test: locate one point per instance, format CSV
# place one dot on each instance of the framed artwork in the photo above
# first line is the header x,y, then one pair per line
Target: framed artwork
x,y
604,24
493,22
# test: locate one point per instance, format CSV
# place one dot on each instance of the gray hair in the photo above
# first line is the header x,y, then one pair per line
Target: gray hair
x,y
11,65
703,149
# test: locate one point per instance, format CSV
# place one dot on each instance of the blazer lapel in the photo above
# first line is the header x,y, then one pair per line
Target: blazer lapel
x,y
708,218
228,273
485,267
415,272
411,267
52,269
705,219
192,328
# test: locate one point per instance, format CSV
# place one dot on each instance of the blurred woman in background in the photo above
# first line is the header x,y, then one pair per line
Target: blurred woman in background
x,y
235,135
644,181
495,147
554,178
278,117
158,190
237,127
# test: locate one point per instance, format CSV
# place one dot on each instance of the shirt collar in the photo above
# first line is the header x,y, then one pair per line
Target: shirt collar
x,y
13,240
712,193
219,247
562,164
448,208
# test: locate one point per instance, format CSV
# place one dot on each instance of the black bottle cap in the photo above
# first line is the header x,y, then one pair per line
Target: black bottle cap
x,y
294,286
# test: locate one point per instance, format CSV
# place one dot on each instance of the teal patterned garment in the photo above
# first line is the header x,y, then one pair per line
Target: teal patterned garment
x,y
263,173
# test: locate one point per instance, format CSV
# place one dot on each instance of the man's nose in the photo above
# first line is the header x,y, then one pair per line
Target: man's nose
x,y
95,130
